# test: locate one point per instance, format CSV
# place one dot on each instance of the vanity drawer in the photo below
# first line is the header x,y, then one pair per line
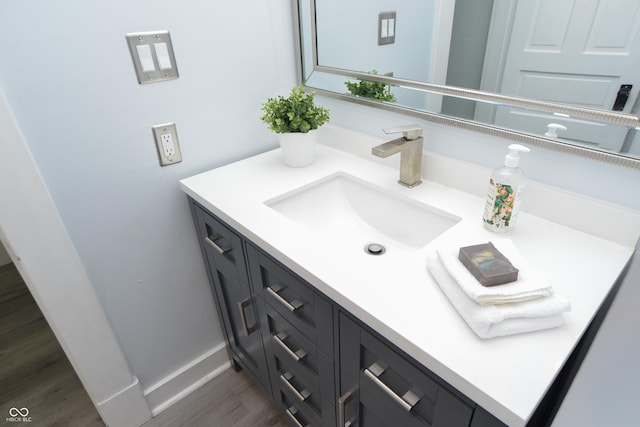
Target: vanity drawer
x,y
292,298
296,414
390,388
310,417
222,244
304,395
434,404
289,350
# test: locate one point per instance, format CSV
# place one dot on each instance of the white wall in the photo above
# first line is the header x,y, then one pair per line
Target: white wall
x,y
67,74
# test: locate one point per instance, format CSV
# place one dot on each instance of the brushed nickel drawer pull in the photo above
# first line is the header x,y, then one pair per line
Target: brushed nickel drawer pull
x,y
291,306
286,379
342,401
242,305
297,355
291,412
212,242
408,401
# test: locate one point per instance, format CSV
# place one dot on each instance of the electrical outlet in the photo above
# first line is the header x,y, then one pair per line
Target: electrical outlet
x,y
167,144
166,137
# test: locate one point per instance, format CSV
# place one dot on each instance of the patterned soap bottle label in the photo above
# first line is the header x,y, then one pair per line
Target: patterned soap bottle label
x,y
501,209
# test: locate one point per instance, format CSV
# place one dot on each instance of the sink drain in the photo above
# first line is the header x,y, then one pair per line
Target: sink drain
x,y
374,249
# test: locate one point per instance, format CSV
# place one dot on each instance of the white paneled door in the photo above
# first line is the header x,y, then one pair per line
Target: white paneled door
x,y
578,52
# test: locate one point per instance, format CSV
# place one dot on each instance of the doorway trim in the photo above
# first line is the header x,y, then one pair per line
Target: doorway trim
x,y
36,239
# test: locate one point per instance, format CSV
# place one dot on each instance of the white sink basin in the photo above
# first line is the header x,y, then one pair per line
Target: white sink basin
x,y
354,212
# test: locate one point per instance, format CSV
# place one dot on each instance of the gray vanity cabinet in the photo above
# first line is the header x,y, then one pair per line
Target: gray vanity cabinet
x,y
321,366
224,255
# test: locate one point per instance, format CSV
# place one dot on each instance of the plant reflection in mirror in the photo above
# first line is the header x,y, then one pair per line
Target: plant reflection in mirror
x,y
369,89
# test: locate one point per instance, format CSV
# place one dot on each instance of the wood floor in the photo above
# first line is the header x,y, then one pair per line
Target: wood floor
x,y
229,400
35,374
34,371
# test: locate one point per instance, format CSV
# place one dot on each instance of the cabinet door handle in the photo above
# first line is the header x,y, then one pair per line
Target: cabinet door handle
x,y
408,401
301,395
291,412
342,401
212,242
297,355
291,306
242,305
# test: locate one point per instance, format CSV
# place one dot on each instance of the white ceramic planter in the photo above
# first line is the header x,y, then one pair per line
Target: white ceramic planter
x,y
298,149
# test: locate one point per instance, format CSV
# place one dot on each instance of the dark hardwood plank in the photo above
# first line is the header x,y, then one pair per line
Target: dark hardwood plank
x,y
229,400
34,371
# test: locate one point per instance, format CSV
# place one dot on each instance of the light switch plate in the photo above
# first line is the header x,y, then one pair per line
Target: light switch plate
x,y
386,28
153,57
166,137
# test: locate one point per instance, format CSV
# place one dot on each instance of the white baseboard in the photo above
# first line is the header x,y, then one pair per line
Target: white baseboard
x,y
127,408
187,379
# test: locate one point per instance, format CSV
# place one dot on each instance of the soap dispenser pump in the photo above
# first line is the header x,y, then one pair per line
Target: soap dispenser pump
x,y
552,130
506,188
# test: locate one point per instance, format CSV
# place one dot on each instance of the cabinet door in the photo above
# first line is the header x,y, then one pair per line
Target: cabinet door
x,y
380,387
236,304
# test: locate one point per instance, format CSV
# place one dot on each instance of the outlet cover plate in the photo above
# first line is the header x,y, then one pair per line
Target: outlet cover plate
x,y
168,154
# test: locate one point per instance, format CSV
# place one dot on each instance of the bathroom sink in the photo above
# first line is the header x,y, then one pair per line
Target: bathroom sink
x,y
353,212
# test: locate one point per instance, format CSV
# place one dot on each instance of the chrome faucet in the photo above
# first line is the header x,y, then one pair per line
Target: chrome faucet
x,y
410,148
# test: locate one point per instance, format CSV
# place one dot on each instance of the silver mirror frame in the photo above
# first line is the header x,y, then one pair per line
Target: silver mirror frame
x,y
608,117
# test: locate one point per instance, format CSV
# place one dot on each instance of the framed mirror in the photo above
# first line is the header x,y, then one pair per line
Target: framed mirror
x,y
562,75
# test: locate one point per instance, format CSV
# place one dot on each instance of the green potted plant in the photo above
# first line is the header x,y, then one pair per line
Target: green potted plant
x,y
368,89
295,119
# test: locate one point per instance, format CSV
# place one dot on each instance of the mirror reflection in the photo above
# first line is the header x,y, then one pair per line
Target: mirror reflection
x,y
578,52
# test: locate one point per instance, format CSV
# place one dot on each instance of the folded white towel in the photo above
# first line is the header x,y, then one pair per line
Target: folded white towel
x,y
490,321
530,283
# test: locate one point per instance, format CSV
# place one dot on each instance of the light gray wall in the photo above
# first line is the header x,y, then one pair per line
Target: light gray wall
x,y
353,27
67,74
606,390
466,56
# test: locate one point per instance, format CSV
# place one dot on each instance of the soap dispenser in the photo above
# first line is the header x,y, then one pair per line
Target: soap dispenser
x,y
506,188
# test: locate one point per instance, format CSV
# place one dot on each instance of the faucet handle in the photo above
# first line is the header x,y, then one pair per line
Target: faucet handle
x,y
410,132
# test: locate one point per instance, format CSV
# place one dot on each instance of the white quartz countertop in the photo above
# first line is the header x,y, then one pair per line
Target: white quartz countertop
x,y
395,295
